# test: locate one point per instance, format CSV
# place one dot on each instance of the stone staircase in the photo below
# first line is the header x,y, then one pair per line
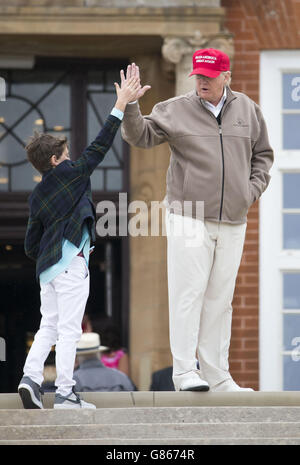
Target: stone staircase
x,y
161,418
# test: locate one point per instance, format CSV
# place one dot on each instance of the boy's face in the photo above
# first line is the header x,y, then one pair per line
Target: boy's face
x,y
64,156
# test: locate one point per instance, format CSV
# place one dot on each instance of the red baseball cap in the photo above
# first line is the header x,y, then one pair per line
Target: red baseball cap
x,y
210,62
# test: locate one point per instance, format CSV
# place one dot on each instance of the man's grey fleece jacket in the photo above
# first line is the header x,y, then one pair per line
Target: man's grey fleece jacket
x,y
224,163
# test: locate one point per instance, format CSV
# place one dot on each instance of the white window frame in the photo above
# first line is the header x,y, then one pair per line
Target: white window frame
x,y
273,259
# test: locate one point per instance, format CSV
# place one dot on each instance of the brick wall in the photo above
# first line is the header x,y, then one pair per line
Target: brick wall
x,y
256,25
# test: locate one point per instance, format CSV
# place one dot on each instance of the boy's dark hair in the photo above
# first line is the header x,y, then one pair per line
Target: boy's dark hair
x,y
41,147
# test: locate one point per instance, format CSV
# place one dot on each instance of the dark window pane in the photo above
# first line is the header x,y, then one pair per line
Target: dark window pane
x,y
24,177
114,180
3,179
11,151
97,181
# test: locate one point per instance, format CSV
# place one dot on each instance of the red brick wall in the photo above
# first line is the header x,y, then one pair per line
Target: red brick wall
x,y
256,25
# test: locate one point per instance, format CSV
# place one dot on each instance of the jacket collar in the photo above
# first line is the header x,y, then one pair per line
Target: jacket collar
x,y
229,98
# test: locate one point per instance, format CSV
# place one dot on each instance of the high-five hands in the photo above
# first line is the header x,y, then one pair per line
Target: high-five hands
x,y
127,92
133,71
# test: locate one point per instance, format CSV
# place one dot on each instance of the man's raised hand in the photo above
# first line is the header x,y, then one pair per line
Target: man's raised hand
x,y
134,71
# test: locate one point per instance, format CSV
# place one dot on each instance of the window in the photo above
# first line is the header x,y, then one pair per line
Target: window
x,y
280,225
291,110
66,100
291,331
101,98
35,100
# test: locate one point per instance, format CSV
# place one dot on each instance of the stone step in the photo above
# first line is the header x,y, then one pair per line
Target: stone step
x,y
150,441
169,399
178,415
155,431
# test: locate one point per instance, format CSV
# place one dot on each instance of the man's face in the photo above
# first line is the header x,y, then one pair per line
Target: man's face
x,y
210,89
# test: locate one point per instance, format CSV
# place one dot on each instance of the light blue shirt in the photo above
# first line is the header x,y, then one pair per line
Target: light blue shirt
x,y
117,113
69,250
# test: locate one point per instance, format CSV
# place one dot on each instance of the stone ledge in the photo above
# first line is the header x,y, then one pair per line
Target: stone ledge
x,y
170,399
137,11
112,3
146,415
164,441
109,21
158,431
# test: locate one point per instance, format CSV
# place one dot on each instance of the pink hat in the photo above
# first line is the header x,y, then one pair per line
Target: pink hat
x,y
210,62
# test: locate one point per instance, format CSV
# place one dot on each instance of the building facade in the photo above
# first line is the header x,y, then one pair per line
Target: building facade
x,y
267,68
58,62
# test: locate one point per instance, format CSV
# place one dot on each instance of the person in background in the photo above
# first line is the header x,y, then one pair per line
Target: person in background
x,y
92,374
161,380
116,356
86,324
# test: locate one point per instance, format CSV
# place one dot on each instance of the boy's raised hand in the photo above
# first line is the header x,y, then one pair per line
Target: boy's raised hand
x,y
127,92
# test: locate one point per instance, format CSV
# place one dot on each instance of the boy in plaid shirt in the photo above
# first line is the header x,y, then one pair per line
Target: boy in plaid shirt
x,y
60,227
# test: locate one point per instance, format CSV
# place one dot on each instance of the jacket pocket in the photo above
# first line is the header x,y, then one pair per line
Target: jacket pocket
x,y
185,181
176,179
250,195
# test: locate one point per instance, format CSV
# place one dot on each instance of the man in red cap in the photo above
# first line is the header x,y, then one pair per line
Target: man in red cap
x,y
219,166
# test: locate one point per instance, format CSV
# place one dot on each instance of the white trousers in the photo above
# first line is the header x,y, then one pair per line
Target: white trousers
x,y
63,302
203,262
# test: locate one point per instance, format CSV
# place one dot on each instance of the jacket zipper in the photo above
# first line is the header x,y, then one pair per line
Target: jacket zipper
x,y
223,171
222,152
223,159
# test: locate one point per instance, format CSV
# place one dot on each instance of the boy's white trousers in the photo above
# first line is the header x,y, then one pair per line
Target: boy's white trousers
x,y
63,302
203,262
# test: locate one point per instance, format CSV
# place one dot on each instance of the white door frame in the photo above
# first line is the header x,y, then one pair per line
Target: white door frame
x,y
273,259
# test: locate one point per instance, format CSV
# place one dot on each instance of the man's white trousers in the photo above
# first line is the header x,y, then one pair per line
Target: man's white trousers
x,y
203,262
63,302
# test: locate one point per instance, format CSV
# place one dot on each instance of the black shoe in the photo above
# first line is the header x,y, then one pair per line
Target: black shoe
x,y
30,393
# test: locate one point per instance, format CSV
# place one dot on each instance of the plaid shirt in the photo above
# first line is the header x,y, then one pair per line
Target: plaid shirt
x,y
62,202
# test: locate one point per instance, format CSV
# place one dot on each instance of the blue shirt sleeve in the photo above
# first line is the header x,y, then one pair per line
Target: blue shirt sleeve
x,y
117,113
